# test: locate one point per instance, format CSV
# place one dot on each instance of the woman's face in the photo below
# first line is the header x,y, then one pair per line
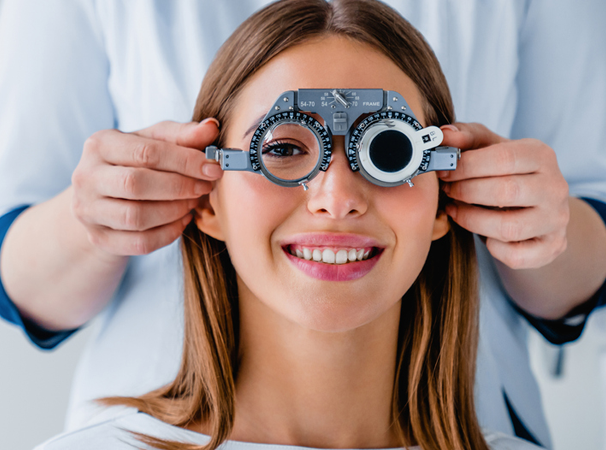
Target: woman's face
x,y
263,224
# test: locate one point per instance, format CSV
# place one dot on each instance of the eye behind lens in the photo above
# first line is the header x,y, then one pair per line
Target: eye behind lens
x,y
291,148
283,150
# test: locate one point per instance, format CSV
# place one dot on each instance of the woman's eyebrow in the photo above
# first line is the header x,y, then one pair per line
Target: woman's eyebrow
x,y
254,126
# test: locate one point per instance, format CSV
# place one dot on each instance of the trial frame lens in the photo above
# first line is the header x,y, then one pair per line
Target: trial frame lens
x,y
290,148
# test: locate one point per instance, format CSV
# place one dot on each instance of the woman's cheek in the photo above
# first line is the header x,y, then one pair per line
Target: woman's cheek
x,y
411,212
255,207
417,203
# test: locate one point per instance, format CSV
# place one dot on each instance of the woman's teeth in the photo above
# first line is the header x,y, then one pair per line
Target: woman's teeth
x,y
329,256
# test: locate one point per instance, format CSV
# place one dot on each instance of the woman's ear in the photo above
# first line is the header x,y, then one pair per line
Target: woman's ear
x,y
206,219
441,226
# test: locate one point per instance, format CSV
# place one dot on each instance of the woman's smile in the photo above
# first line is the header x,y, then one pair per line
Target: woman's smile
x,y
333,257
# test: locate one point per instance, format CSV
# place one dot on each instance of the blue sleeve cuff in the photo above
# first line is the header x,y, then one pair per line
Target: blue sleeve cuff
x,y
42,338
570,327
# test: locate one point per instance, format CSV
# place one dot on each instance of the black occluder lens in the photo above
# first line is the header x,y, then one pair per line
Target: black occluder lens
x,y
390,151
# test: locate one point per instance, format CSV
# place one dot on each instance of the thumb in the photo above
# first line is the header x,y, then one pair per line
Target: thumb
x,y
469,136
191,134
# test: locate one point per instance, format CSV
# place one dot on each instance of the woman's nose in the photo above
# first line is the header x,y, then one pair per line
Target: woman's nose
x,y
339,192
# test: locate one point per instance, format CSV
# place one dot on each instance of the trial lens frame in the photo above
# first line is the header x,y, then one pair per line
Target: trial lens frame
x,y
340,109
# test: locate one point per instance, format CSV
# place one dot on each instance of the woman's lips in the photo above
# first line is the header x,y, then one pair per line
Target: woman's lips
x,y
334,272
333,257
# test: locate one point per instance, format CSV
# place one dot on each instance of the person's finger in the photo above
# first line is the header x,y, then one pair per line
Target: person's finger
x,y
192,134
128,215
132,183
130,150
508,158
506,191
469,136
132,243
529,254
505,225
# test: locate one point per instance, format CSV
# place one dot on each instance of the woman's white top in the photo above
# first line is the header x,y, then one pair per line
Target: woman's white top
x,y
78,66
115,434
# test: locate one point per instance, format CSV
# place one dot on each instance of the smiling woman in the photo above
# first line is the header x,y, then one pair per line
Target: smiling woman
x,y
295,321
342,316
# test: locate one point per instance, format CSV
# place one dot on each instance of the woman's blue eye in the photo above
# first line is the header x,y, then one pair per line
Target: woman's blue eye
x,y
282,149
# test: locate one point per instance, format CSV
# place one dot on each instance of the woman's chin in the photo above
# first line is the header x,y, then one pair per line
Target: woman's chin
x,y
324,315
323,306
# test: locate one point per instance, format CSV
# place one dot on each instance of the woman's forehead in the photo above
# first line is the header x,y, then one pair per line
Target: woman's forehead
x,y
326,62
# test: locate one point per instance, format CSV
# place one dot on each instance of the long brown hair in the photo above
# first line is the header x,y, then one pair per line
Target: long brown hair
x,y
433,402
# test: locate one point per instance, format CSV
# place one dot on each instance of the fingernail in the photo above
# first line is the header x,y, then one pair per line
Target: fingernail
x,y
446,188
443,173
449,127
212,170
211,119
